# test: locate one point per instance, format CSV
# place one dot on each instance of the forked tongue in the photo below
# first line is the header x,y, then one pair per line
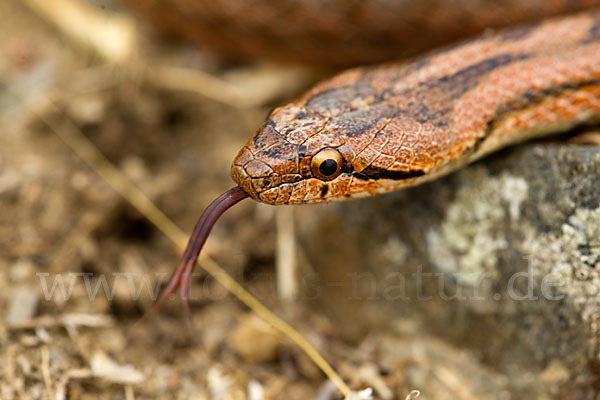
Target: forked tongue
x,y
182,277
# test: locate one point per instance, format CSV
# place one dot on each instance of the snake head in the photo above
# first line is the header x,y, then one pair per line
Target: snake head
x,y
335,144
290,159
304,159
299,156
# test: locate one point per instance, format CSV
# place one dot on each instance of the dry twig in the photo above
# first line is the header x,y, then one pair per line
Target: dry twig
x,y
46,372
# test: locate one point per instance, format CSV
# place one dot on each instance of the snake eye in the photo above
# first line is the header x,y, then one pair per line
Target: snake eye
x,y
326,164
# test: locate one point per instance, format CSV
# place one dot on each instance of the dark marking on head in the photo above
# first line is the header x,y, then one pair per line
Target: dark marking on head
x,y
303,151
272,148
266,136
358,122
332,100
347,168
381,173
324,190
281,150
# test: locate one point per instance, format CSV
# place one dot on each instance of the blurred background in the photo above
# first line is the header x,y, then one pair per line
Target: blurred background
x,y
168,91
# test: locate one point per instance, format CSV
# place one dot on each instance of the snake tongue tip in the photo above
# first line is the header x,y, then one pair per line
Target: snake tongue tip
x,y
182,276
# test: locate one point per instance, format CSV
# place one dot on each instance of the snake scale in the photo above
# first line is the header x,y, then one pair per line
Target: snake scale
x,y
377,129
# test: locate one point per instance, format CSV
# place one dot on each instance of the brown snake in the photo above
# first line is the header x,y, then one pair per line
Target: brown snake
x,y
378,129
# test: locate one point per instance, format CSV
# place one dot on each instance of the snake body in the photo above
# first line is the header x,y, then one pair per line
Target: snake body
x,y
377,129
342,32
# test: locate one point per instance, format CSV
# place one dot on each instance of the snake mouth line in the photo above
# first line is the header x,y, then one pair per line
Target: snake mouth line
x,y
380,173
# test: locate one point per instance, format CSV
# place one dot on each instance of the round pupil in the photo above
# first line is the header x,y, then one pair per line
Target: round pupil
x,y
328,167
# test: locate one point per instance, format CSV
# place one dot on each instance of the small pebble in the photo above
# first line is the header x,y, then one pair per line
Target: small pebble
x,y
23,305
102,366
255,340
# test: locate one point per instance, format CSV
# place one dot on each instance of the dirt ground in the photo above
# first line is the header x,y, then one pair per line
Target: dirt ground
x,y
79,265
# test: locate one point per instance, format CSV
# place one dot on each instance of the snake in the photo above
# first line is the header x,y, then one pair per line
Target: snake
x,y
377,129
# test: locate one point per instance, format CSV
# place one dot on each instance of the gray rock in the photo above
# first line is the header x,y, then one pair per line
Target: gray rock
x,y
499,260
